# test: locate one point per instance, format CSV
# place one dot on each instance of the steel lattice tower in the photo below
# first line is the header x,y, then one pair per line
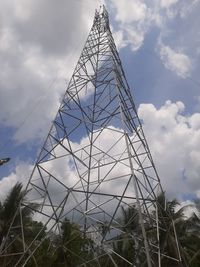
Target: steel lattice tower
x,y
95,162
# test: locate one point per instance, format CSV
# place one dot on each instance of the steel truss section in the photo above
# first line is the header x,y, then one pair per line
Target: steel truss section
x,y
94,164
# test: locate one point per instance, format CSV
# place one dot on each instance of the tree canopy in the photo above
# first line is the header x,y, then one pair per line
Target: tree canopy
x,y
70,247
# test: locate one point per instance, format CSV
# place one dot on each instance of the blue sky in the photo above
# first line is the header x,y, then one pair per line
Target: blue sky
x,y
158,44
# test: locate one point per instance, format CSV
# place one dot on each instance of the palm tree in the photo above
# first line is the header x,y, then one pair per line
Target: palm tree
x,y
191,239
11,214
127,244
176,227
72,247
169,219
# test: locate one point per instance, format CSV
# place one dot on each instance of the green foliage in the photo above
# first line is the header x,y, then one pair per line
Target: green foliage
x,y
127,244
73,247
170,218
10,213
44,255
70,247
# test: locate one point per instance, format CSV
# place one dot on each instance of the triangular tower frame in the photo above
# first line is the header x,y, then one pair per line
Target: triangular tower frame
x,y
95,162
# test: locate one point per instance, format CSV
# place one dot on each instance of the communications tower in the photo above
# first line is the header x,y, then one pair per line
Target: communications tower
x,y
95,171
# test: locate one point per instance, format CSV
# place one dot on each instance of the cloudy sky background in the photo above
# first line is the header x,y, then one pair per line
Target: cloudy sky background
x,y
159,45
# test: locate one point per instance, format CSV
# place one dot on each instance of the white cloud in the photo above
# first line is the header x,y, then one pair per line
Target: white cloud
x,y
130,11
133,17
168,3
174,140
118,37
109,143
138,18
175,61
39,43
189,208
32,51
20,174
134,38
114,175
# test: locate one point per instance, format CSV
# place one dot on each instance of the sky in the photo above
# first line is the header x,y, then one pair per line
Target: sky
x,y
159,45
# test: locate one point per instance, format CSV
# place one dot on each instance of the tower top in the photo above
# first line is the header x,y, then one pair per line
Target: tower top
x,y
102,11
101,16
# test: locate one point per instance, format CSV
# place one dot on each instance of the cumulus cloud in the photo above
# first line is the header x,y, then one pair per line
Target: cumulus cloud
x,y
133,18
136,20
174,139
108,163
118,37
38,51
20,174
136,11
175,61
41,42
48,25
69,173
